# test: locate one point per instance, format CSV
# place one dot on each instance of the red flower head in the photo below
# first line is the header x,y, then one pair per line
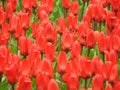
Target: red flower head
x,y
72,22
50,51
49,32
67,40
66,4
112,56
102,43
11,72
74,8
34,3
52,85
14,23
97,83
3,57
24,83
19,31
22,43
90,39
27,5
114,74
115,42
14,4
111,21
25,68
5,35
61,25
108,87
115,5
25,20
2,16
9,10
47,67
42,81
72,81
42,15
62,62
75,50
117,86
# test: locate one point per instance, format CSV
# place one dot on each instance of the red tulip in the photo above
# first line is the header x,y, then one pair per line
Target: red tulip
x,y
108,87
42,15
11,72
112,56
67,40
97,83
66,4
116,86
90,39
42,81
23,45
24,83
115,42
52,85
43,7
62,62
115,5
61,25
2,16
72,22
102,43
36,67
72,81
25,20
14,4
114,74
19,31
27,5
14,23
50,51
75,50
74,8
34,3
9,10
47,67
25,68
5,35
3,57
41,42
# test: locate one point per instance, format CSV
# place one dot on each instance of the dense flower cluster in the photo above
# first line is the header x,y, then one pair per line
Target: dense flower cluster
x,y
59,47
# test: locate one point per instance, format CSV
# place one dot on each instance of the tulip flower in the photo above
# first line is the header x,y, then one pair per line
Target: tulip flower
x,y
97,83
42,81
50,51
14,4
46,67
116,86
9,10
14,23
24,83
74,8
90,40
52,85
3,16
66,4
62,62
61,25
108,87
25,68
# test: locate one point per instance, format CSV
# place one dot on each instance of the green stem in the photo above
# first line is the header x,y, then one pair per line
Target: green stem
x,y
85,83
59,48
1,77
100,24
103,57
61,81
12,87
83,10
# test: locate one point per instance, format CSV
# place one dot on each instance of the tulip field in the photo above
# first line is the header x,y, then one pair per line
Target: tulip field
x,y
59,44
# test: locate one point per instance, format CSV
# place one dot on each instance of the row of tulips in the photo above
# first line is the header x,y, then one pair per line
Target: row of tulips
x,y
57,47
